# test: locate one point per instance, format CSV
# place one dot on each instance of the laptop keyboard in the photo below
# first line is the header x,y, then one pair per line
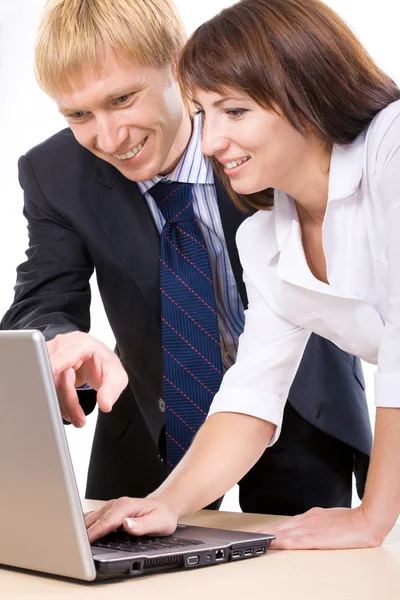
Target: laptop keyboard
x,y
121,540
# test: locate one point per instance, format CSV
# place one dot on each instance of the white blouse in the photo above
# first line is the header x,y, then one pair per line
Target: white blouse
x,y
359,311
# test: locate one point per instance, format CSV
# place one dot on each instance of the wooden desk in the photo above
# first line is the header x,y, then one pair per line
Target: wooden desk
x,y
372,574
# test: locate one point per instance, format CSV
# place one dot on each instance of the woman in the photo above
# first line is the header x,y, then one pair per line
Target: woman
x,y
291,102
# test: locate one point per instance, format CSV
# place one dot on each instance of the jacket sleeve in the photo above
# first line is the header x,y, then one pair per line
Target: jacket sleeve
x,y
52,292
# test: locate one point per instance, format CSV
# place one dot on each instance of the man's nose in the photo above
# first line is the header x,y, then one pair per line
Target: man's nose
x,y
213,139
110,135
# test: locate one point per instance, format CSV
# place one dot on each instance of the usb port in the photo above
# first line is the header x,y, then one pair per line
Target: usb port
x,y
236,553
193,560
260,550
248,552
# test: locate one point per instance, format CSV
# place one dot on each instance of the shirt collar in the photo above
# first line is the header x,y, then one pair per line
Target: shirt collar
x,y
344,178
193,166
346,168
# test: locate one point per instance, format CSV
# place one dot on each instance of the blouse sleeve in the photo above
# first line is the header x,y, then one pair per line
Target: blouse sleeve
x,y
270,351
387,378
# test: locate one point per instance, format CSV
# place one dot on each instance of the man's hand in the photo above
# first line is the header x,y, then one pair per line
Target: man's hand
x,y
137,516
325,529
77,358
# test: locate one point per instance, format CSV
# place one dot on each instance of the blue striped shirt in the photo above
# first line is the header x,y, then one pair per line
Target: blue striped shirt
x,y
196,169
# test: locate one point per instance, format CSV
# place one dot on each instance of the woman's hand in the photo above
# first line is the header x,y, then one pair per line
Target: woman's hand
x,y
326,529
367,525
137,516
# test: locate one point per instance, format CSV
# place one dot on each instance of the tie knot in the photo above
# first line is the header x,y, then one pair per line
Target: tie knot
x,y
175,200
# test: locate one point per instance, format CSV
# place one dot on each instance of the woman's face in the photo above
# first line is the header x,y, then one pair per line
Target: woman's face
x,y
258,148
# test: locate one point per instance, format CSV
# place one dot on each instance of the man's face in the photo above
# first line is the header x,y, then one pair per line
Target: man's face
x,y
129,115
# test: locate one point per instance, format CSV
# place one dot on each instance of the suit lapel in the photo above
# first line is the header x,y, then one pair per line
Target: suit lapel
x,y
124,215
231,218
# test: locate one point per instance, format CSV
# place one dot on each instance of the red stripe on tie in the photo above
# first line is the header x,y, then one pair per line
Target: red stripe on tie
x,y
188,287
174,440
181,211
190,236
187,371
186,258
169,195
188,316
192,347
178,417
183,394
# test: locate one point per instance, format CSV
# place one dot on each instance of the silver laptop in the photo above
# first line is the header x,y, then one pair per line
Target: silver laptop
x,y
42,527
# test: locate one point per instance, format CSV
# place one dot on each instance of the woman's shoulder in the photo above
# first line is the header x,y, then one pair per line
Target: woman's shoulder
x,y
383,136
386,116
256,238
254,227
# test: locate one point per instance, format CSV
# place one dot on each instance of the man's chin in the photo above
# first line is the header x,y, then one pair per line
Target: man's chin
x,y
143,173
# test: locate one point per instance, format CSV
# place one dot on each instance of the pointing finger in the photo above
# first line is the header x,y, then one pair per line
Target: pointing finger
x,y
114,382
68,398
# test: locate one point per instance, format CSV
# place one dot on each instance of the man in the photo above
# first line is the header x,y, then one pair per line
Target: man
x,y
97,197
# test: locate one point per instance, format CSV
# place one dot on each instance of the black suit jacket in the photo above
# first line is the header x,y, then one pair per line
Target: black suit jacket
x,y
84,215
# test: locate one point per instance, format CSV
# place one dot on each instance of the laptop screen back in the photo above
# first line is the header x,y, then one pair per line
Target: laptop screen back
x,y
41,521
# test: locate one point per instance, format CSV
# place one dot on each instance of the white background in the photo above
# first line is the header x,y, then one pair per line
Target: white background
x,y
27,117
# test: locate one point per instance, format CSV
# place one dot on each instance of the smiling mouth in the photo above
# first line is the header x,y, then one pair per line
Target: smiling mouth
x,y
235,166
132,152
235,163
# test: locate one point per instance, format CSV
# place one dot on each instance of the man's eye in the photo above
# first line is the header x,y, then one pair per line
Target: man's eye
x,y
77,115
122,99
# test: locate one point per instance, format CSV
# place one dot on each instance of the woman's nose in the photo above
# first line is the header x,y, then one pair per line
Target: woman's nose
x,y
213,140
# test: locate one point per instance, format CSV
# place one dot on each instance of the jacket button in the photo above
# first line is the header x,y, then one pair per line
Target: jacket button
x,y
161,405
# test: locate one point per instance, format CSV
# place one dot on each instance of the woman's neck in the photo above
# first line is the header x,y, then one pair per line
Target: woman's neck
x,y
308,183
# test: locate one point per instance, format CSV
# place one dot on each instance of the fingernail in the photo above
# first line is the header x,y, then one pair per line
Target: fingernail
x,y
131,523
107,405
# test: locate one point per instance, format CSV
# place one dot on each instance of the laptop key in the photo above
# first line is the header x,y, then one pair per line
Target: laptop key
x,y
191,542
121,540
197,542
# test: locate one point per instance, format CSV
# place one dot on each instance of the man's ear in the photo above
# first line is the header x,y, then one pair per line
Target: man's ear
x,y
174,68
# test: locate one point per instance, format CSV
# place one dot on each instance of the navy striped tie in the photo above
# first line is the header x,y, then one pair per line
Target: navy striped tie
x,y
192,362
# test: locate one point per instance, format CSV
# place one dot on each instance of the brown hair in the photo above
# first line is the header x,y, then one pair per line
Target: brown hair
x,y
72,35
295,54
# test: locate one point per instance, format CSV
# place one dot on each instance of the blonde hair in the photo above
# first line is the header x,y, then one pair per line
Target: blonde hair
x,y
73,35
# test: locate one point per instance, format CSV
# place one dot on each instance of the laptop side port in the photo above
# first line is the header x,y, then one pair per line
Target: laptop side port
x,y
236,553
260,550
219,555
248,552
193,560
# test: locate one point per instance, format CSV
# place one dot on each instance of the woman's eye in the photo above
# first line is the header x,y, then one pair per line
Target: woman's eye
x,y
236,112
